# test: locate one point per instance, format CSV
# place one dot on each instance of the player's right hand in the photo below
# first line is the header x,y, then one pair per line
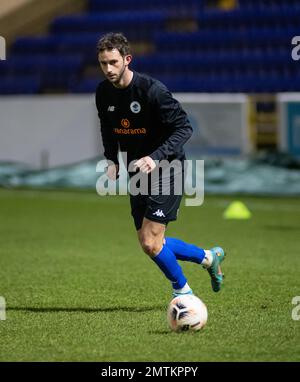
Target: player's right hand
x,y
112,171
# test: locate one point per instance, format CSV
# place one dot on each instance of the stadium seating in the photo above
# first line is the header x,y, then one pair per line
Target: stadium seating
x,y
267,3
132,5
247,49
143,21
86,85
54,71
21,85
255,17
250,38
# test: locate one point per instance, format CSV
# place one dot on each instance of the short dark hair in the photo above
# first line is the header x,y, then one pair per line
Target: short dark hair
x,y
112,41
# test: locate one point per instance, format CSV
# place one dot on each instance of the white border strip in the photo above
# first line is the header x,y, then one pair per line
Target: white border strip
x,y
211,98
288,97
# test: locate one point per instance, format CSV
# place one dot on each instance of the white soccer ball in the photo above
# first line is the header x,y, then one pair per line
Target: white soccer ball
x,y
186,312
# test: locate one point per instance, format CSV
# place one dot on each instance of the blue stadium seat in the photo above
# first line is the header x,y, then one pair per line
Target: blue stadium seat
x,y
268,4
86,85
143,22
195,63
10,85
84,44
230,39
228,84
279,16
54,71
29,45
43,63
133,5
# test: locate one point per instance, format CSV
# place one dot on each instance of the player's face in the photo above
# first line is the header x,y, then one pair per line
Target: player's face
x,y
113,65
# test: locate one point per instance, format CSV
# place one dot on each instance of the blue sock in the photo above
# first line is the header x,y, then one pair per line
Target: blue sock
x,y
166,260
184,251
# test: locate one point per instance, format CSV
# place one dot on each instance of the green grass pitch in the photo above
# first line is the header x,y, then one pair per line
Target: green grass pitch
x,y
78,287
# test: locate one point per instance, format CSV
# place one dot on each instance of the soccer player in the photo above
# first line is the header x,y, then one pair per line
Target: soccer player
x,y
139,116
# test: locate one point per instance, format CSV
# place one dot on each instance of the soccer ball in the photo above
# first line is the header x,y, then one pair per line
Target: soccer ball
x,y
186,312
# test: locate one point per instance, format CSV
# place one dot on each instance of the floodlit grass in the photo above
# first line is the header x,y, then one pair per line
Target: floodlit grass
x,y
79,288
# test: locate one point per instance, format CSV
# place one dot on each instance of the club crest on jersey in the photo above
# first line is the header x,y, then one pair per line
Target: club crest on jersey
x,y
135,107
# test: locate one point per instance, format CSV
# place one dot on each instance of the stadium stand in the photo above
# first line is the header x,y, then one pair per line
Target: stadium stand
x,y
191,46
9,85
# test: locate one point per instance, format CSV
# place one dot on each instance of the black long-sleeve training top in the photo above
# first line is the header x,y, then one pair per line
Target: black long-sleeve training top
x,y
142,120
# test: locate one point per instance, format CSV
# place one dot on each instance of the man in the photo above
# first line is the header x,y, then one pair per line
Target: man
x,y
139,116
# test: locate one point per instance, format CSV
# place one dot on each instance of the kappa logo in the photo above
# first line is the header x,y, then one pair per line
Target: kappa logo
x,y
135,107
159,213
111,108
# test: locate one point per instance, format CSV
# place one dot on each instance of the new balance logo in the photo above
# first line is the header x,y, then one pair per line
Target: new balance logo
x,y
111,108
159,213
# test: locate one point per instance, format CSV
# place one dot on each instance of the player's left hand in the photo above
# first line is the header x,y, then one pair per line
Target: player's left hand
x,y
145,164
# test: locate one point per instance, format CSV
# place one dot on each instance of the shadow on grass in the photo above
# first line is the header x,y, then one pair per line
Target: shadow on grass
x,y
130,309
183,333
